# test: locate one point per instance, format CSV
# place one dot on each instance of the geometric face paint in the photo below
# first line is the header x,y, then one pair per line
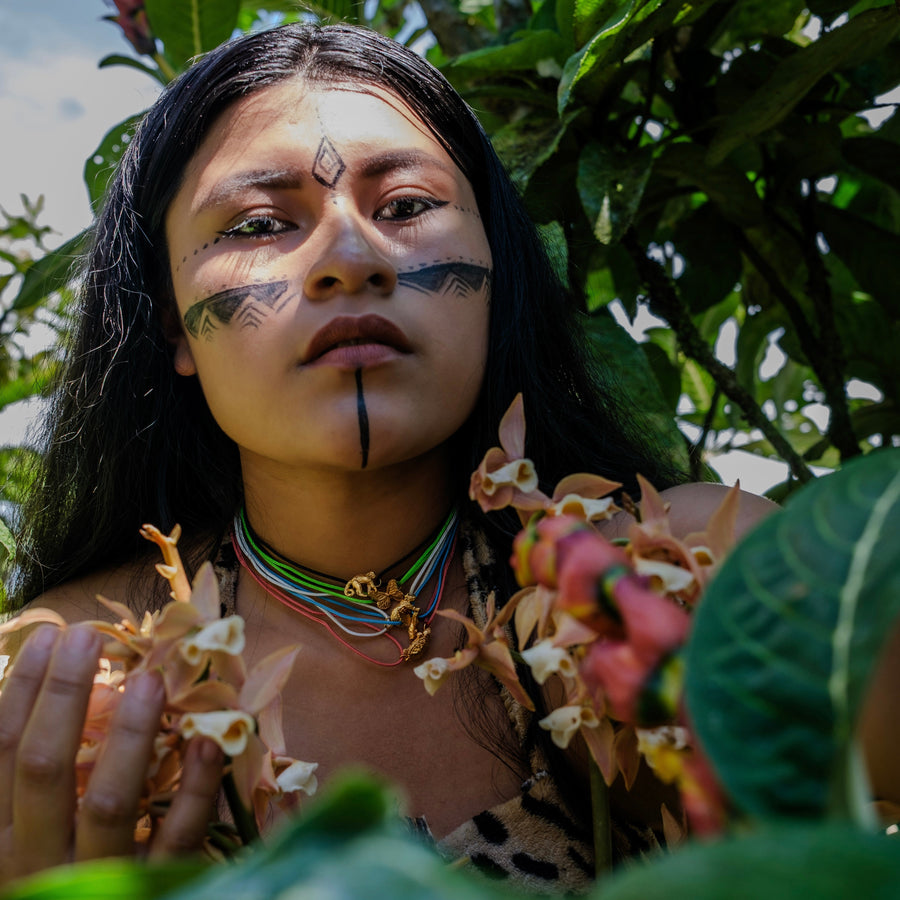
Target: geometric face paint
x,y
328,165
459,278
250,304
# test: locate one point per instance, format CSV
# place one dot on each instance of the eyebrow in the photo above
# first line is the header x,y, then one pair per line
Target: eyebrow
x,y
294,178
394,160
233,185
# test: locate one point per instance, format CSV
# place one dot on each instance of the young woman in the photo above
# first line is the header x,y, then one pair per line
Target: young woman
x,y
312,294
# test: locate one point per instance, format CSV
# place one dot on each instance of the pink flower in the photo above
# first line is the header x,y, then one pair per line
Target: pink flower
x,y
132,19
637,691
540,547
505,477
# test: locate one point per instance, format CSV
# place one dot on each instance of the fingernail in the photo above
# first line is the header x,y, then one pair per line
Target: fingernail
x,y
210,752
80,638
147,686
44,638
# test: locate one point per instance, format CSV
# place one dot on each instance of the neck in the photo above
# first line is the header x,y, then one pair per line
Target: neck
x,y
347,523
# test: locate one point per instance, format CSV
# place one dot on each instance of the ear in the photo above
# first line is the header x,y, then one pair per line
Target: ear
x,y
183,358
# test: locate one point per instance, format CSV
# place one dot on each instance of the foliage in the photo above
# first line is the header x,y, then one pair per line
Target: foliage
x,y
710,159
32,296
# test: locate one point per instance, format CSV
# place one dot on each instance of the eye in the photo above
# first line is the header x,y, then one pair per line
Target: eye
x,y
256,226
406,208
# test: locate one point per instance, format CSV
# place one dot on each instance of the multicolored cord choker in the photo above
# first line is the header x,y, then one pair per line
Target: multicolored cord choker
x,y
360,607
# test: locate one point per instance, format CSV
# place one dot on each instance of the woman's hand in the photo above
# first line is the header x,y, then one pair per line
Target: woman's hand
x,y
42,711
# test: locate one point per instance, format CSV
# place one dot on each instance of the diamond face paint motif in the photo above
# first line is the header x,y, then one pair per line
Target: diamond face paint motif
x,y
328,165
250,304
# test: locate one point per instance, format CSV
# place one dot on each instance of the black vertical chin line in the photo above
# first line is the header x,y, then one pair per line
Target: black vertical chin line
x,y
363,419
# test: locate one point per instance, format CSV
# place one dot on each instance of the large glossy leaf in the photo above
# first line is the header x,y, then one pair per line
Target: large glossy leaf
x,y
824,863
188,28
712,261
630,26
525,51
100,166
786,637
108,879
611,184
871,253
51,272
863,36
653,415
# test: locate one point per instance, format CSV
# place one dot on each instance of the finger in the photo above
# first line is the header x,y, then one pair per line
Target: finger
x,y
20,690
44,791
109,807
184,827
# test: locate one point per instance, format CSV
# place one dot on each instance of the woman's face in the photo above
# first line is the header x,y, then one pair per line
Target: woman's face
x,y
333,279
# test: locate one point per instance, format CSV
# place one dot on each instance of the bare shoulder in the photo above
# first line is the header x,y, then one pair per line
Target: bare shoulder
x,y
77,600
691,505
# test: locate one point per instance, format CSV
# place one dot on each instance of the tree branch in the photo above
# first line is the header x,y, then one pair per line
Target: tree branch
x,y
665,301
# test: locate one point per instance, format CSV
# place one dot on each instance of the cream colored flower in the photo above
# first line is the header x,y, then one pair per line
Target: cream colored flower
x,y
225,635
584,507
229,728
298,776
564,722
518,473
544,660
671,577
433,672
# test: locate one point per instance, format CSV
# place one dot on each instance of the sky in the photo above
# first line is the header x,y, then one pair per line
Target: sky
x,y
56,105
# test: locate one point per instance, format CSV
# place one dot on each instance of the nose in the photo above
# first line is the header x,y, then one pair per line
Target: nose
x,y
348,261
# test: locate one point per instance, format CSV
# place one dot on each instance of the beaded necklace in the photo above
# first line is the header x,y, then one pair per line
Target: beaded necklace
x,y
358,608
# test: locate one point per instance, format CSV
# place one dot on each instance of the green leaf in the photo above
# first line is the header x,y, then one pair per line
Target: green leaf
x,y
7,540
712,261
117,59
108,879
50,273
100,166
527,143
871,253
611,184
526,50
188,28
875,156
821,862
632,26
798,73
652,413
725,184
600,48
786,638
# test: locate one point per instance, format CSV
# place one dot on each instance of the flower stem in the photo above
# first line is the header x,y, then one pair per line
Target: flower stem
x,y
244,820
602,823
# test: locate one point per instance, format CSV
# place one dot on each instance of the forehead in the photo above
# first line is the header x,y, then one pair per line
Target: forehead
x,y
294,116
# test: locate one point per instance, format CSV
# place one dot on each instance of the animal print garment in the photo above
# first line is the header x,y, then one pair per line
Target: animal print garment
x,y
532,841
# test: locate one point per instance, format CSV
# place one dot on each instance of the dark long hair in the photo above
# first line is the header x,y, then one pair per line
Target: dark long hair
x,y
127,441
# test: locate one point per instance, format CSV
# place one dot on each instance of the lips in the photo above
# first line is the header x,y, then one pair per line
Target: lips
x,y
355,332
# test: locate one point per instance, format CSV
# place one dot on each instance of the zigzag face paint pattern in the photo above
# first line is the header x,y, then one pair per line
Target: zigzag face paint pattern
x,y
249,305
457,278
